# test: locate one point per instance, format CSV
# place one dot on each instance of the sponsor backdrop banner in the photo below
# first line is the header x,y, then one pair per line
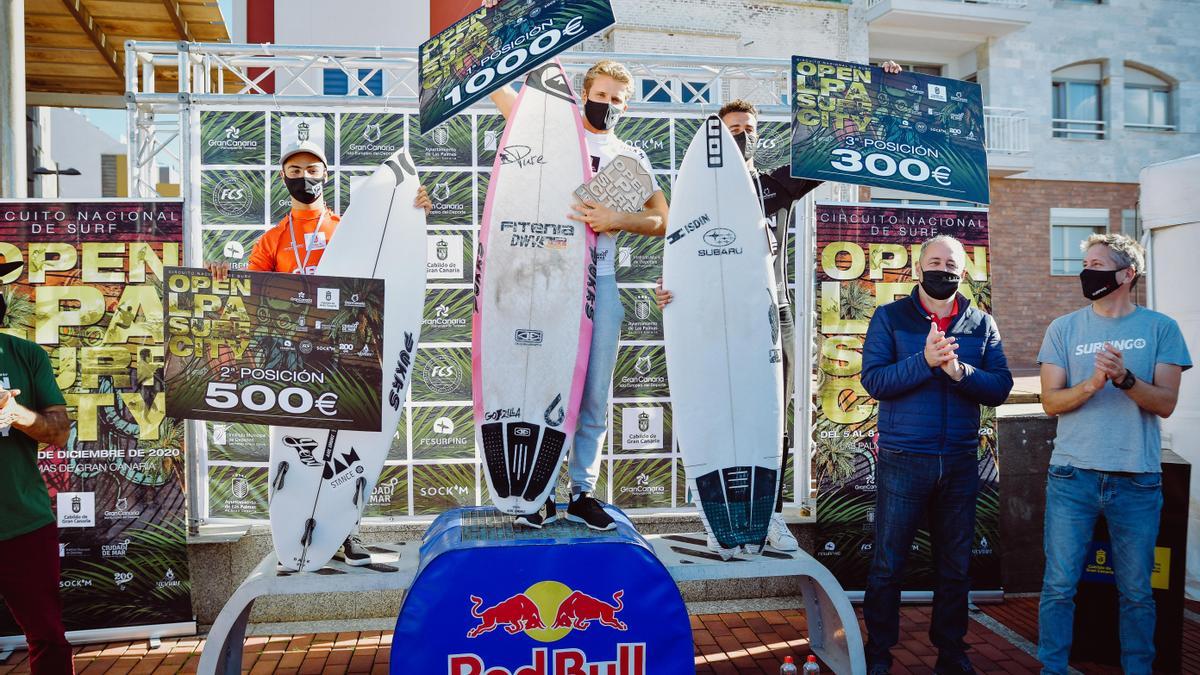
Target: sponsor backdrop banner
x,y
266,348
864,260
489,48
433,464
906,131
89,294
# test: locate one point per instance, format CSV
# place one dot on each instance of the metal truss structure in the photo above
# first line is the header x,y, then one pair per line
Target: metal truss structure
x,y
164,127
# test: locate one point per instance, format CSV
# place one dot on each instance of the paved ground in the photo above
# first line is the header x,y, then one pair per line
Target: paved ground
x,y
749,642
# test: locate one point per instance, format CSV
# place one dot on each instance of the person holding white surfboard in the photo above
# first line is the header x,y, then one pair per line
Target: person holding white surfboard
x,y
295,246
777,191
607,87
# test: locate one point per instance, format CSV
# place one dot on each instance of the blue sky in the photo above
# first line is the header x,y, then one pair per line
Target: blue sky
x,y
113,122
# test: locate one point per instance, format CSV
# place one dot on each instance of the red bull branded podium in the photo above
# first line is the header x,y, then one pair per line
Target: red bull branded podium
x,y
563,600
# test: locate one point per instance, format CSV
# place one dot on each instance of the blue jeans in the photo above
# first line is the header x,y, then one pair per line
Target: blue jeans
x,y
909,487
583,466
1130,503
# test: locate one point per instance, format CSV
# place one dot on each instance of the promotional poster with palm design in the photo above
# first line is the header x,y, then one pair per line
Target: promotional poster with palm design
x,y
864,259
905,131
493,46
265,348
88,294
433,463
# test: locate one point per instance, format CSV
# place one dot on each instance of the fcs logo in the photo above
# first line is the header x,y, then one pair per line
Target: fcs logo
x,y
304,448
547,611
230,198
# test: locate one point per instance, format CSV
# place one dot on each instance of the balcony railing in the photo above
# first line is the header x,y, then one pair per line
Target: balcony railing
x,y
1014,4
1069,128
1007,130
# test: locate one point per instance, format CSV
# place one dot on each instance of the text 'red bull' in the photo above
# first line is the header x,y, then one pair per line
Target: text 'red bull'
x,y
631,660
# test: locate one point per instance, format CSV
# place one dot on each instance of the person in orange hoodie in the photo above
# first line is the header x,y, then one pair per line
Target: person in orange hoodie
x,y
297,241
295,245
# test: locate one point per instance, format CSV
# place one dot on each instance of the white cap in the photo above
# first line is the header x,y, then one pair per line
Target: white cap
x,y
303,146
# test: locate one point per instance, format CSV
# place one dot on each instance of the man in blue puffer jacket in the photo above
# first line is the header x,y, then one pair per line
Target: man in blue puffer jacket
x,y
930,360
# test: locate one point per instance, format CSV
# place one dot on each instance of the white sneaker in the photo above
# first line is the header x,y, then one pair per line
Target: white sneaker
x,y
715,547
779,537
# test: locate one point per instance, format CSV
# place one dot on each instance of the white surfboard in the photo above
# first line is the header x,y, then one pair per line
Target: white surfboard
x,y
535,286
322,479
724,357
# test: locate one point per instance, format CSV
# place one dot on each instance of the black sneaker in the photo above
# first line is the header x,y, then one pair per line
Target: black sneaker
x,y
536,520
588,510
353,552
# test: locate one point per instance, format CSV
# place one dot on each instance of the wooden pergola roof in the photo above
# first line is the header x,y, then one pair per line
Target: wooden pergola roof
x,y
78,46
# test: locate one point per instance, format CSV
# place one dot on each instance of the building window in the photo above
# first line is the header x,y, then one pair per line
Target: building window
x,y
1147,100
1078,112
1068,229
337,84
669,91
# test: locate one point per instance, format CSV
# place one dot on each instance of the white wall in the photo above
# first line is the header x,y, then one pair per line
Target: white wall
x,y
763,28
75,143
387,23
1015,71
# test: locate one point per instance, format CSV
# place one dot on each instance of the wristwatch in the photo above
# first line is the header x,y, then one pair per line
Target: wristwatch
x,y
1126,382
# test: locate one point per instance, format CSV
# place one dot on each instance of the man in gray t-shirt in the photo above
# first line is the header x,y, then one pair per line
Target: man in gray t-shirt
x,y
1109,372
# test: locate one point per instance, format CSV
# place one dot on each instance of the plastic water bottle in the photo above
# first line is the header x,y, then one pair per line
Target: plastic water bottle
x,y
788,668
811,667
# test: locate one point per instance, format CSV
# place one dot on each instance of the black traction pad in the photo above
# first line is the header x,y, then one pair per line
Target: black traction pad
x,y
547,461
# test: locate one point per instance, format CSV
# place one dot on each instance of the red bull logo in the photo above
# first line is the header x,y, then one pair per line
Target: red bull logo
x,y
631,660
547,612
517,614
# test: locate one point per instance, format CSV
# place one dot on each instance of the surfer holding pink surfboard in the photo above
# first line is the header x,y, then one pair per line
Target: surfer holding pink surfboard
x,y
607,87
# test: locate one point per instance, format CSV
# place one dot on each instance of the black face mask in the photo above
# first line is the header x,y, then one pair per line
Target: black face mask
x,y
305,190
940,284
747,143
602,116
1098,283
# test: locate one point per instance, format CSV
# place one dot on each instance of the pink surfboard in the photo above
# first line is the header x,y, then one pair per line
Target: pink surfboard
x,y
535,287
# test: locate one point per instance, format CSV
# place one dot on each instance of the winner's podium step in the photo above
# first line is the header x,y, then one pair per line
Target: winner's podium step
x,y
833,629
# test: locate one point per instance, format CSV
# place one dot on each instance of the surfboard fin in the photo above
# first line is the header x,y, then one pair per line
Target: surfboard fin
x,y
280,473
306,538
